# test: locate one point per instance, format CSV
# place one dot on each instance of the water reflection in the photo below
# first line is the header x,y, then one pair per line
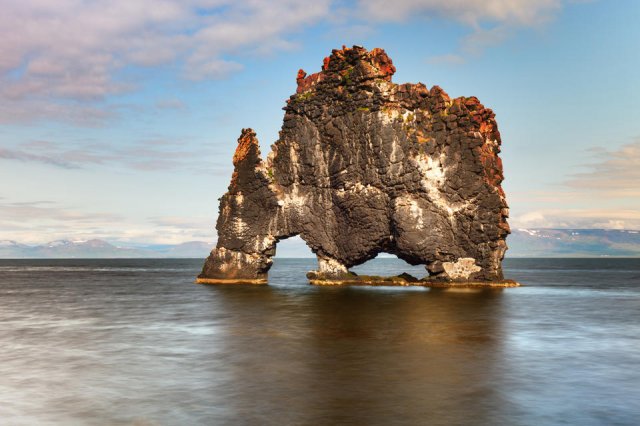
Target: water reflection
x,y
378,356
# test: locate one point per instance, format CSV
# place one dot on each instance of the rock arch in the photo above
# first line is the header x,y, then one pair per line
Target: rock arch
x,y
362,166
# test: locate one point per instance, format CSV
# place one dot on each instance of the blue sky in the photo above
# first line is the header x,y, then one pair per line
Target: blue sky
x,y
118,119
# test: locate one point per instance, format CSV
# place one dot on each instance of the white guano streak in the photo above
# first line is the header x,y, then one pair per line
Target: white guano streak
x,y
433,178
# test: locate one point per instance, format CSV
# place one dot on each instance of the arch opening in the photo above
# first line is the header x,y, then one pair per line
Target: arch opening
x,y
292,260
389,265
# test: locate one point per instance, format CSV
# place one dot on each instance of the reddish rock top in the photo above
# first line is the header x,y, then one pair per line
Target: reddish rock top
x,y
355,63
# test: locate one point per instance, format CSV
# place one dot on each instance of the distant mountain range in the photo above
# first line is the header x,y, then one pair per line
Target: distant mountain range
x,y
522,243
573,243
65,249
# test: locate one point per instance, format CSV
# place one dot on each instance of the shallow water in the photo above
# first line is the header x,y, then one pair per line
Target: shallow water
x,y
136,342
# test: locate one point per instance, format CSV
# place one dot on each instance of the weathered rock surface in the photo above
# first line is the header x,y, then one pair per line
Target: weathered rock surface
x,y
363,166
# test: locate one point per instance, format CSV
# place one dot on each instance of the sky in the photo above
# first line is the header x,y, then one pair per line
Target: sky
x,y
119,118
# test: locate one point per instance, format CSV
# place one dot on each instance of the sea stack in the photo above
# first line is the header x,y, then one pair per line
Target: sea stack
x,y
362,166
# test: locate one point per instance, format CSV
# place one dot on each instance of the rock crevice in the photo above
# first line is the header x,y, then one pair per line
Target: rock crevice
x,y
362,166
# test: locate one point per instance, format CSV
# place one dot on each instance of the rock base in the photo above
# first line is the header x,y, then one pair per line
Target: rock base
x,y
403,280
214,281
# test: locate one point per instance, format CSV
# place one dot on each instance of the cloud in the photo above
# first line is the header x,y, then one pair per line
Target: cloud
x,y
610,183
182,222
469,12
481,39
491,21
613,174
181,228
25,111
579,219
447,59
73,48
76,50
474,45
46,210
64,60
40,221
12,154
144,155
201,68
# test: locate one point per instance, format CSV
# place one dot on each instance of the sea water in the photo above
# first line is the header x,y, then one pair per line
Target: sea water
x,y
121,342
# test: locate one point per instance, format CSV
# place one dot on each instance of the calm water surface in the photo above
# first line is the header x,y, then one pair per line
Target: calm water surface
x,y
120,342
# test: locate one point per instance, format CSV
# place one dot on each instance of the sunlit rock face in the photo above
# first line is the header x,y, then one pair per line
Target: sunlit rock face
x,y
362,166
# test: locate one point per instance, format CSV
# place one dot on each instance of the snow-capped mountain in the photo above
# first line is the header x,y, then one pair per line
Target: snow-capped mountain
x,y
573,243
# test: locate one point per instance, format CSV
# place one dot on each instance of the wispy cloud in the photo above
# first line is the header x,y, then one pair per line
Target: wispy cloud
x,y
490,21
40,221
477,42
145,155
611,182
48,210
184,228
15,154
447,59
612,174
579,219
182,222
29,109
470,12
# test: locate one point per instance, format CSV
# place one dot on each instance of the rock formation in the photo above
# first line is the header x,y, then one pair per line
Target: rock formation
x,y
362,166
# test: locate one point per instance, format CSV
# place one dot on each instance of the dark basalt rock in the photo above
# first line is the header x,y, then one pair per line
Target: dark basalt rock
x,y
363,166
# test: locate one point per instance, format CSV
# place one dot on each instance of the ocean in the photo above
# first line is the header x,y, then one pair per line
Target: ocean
x,y
136,342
